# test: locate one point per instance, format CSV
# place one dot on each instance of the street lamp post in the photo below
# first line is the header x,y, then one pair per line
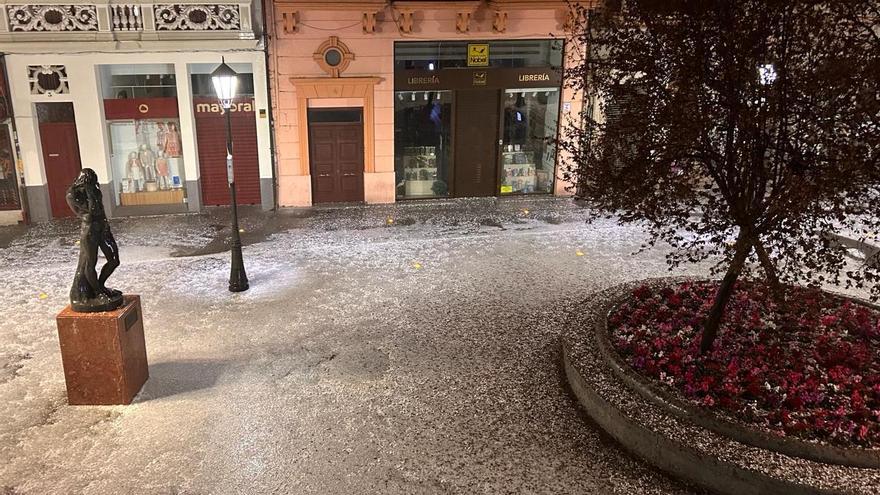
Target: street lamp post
x,y
225,85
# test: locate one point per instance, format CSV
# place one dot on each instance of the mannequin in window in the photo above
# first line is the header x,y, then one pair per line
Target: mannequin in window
x,y
163,175
148,162
135,171
161,131
172,141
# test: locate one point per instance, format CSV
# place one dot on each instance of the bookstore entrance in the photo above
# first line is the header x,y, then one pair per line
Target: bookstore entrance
x,y
463,130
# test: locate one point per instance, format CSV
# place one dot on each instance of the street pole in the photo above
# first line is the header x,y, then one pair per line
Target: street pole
x,y
238,281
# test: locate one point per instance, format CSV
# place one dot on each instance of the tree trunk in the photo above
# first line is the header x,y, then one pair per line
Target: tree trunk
x,y
713,322
769,268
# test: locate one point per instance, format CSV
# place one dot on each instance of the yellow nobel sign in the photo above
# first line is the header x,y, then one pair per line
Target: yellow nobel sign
x,y
478,55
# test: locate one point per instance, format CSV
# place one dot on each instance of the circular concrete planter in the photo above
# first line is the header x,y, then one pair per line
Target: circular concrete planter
x,y
675,436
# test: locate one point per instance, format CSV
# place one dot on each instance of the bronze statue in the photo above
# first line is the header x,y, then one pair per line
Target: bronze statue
x,y
88,294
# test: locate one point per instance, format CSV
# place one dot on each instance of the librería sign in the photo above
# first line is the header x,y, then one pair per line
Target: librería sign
x,y
534,77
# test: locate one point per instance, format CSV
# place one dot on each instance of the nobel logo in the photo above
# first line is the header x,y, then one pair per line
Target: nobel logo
x,y
478,55
534,77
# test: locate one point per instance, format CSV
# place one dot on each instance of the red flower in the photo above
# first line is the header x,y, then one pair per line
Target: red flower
x,y
829,320
817,373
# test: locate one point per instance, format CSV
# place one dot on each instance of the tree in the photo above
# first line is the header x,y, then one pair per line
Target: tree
x,y
739,130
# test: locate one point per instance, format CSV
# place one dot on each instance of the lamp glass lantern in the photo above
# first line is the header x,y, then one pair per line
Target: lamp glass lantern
x,y
225,81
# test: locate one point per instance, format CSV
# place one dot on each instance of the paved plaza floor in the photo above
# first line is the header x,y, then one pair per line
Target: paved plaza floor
x,y
410,348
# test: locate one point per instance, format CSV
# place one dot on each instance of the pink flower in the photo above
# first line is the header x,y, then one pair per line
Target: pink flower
x,y
818,373
829,320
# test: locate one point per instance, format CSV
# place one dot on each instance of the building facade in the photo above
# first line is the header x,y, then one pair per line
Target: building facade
x,y
380,101
125,89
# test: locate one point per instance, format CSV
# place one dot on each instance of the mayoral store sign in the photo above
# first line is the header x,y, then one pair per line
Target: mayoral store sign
x,y
211,107
478,55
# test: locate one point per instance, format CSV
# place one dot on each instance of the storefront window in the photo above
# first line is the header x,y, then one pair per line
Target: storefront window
x,y
147,161
202,85
423,151
528,156
144,130
143,85
437,55
8,185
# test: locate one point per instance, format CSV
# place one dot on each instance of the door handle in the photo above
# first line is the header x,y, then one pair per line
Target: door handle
x,y
53,155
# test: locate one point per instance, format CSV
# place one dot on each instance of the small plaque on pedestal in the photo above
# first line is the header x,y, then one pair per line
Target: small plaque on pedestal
x,y
104,355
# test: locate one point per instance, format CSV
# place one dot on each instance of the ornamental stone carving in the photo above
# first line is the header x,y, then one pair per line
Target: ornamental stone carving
x,y
43,18
205,17
48,79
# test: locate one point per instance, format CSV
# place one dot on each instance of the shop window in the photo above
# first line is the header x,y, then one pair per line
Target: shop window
x,y
8,184
204,87
423,151
147,161
528,156
143,86
140,107
436,55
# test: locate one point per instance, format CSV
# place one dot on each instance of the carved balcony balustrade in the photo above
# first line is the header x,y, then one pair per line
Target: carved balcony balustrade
x,y
133,20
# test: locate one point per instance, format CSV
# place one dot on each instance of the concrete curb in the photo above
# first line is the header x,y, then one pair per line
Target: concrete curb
x,y
673,456
672,440
792,446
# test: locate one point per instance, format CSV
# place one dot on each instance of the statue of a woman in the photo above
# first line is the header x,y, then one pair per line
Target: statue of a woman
x,y
89,294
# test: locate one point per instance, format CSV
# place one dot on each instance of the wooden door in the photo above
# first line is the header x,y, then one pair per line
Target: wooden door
x,y
476,142
61,161
336,160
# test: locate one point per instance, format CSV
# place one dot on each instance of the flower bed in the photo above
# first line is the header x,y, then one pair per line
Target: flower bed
x,y
812,372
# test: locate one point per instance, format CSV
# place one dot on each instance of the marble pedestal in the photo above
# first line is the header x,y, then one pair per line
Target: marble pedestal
x,y
104,355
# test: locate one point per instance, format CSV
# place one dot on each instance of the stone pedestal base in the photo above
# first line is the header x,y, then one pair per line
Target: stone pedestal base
x,y
104,355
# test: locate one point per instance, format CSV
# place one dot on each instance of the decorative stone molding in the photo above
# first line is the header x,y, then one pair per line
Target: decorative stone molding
x,y
288,20
341,87
463,9
369,9
369,22
126,18
48,80
463,22
574,10
204,17
43,18
404,21
333,56
575,15
499,22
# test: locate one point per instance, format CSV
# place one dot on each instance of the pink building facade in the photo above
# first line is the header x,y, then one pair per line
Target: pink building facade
x,y
377,101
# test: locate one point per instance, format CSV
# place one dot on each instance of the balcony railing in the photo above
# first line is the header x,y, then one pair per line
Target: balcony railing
x,y
99,21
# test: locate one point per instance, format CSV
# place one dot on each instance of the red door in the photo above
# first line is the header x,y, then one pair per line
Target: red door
x,y
336,157
62,163
211,138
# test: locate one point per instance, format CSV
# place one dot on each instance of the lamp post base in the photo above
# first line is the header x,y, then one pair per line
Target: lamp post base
x,y
238,281
238,286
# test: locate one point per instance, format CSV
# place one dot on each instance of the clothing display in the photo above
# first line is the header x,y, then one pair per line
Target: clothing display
x,y
161,131
162,172
135,171
147,173
172,141
148,161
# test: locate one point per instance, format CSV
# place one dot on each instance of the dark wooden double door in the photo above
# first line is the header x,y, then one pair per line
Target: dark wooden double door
x,y
477,124
336,158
